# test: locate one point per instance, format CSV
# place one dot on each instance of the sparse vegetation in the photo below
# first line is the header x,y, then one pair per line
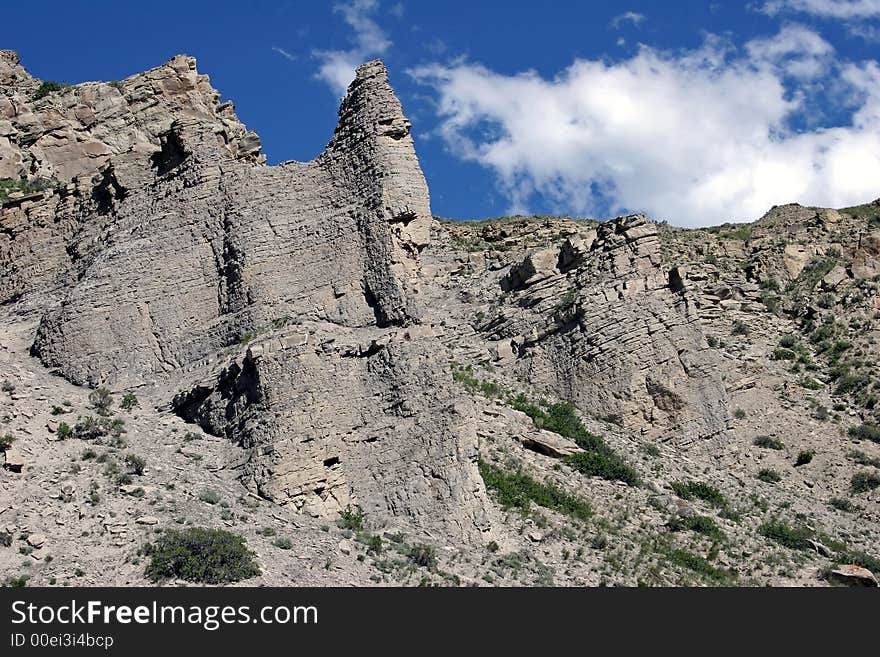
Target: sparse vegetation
x,y
519,491
795,538
866,431
690,490
842,504
47,87
681,558
423,556
136,464
210,496
90,428
465,376
769,476
351,518
804,457
209,556
768,442
740,328
863,459
129,401
864,481
604,464
597,459
101,400
699,524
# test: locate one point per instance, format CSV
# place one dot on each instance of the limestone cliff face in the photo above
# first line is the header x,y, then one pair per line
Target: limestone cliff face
x,y
91,145
598,318
173,251
216,247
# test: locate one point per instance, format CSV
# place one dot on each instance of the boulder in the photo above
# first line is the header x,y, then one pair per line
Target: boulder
x,y
14,459
36,541
852,575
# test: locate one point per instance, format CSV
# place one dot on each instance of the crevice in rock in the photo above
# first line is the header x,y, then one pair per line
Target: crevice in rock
x,y
171,155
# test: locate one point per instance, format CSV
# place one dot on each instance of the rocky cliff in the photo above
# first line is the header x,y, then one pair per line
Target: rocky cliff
x,y
530,400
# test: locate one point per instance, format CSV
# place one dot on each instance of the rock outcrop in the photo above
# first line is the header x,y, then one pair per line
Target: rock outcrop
x,y
599,319
181,247
526,400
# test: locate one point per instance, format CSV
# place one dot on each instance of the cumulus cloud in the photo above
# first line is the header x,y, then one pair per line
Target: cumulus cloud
x,y
696,137
337,67
800,52
842,9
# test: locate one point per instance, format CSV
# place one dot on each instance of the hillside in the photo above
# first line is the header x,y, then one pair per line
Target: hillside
x,y
304,356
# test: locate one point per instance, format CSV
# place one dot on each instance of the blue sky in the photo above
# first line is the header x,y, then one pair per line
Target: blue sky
x,y
694,112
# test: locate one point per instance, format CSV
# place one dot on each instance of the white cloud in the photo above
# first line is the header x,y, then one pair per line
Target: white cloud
x,y
627,17
697,137
284,53
842,9
338,67
800,52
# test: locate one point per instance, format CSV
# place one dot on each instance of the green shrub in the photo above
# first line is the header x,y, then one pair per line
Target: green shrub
x,y
796,538
210,556
101,400
699,524
210,496
842,504
88,454
783,354
768,442
804,457
597,459
864,481
518,490
810,383
605,464
283,543
47,87
866,431
19,582
788,341
88,428
6,441
423,556
351,518
739,414
740,328
129,401
7,386
852,383
59,410
135,463
685,559
769,476
863,459
691,490
63,431
859,559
